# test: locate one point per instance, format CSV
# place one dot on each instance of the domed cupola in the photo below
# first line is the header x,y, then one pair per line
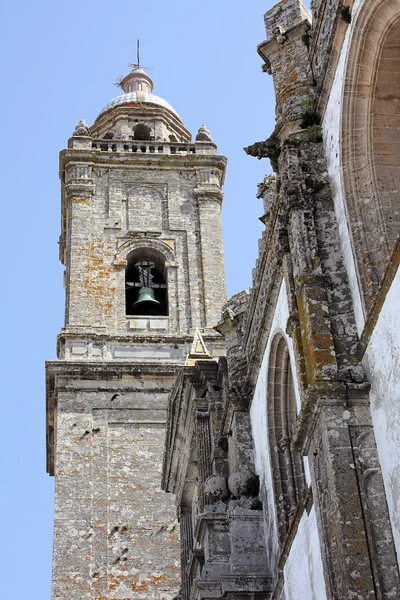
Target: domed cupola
x,y
138,87
137,81
139,109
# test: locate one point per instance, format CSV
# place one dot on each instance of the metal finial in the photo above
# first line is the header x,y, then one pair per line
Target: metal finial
x,y
137,64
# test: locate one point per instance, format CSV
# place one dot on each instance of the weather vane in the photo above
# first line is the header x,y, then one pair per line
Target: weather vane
x,y
137,65
118,80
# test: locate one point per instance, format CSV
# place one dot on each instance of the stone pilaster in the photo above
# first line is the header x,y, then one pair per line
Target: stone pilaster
x,y
186,523
209,199
203,445
228,555
348,490
78,195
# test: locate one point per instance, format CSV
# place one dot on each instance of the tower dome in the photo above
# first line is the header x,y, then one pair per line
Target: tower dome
x,y
138,87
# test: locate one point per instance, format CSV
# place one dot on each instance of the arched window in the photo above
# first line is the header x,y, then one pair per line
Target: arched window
x,y
141,132
370,149
287,465
146,283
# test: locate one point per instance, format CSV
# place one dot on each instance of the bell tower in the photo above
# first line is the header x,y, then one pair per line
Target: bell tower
x,y
142,247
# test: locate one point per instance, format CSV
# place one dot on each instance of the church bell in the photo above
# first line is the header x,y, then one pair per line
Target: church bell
x,y
146,304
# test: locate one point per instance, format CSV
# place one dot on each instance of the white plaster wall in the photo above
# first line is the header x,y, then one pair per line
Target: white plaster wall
x,y
303,572
332,136
262,460
305,549
382,364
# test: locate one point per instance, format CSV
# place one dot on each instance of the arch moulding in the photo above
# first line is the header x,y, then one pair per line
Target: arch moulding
x,y
371,179
121,256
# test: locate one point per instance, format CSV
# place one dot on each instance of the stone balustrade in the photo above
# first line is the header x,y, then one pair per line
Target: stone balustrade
x,y
145,147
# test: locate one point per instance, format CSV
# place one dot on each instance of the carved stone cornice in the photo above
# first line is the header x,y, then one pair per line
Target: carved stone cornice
x,y
136,161
205,193
80,190
273,44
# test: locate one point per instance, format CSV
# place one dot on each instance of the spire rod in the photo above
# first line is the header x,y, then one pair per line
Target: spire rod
x,y
137,64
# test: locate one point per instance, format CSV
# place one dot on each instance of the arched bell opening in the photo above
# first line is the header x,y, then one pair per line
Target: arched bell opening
x,y
142,132
146,292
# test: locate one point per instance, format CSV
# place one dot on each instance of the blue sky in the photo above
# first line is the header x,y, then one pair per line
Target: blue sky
x,y
58,61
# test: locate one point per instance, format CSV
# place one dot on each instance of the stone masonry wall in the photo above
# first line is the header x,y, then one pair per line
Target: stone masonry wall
x,y
115,530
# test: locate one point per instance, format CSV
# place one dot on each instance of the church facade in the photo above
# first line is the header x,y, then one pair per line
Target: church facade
x,y
273,418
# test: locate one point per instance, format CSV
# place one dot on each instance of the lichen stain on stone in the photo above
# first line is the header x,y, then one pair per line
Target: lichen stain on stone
x,y
317,345
80,200
97,277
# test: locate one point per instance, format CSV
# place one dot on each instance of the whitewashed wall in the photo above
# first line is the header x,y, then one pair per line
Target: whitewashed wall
x,y
305,554
382,363
382,358
303,569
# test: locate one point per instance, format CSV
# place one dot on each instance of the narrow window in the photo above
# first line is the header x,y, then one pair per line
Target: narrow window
x,y
287,464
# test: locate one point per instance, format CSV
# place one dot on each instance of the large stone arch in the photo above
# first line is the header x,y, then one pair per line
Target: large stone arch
x,y
370,140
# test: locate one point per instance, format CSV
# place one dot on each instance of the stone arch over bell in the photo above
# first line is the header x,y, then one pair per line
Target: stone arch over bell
x,y
121,256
